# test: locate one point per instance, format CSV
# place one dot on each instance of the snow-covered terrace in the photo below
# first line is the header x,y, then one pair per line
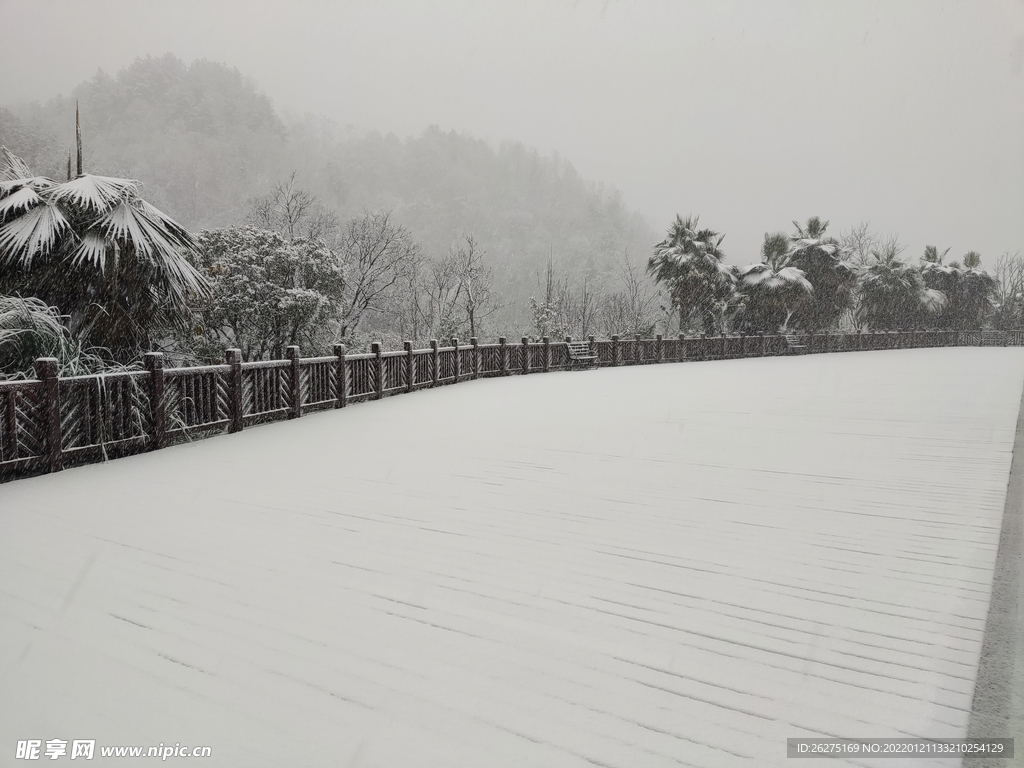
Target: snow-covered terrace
x,y
658,566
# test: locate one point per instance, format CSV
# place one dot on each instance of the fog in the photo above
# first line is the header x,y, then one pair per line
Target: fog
x,y
909,115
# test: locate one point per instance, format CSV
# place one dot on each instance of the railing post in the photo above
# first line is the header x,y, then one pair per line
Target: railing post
x,y
659,352
526,355
378,381
476,356
681,348
615,349
292,353
341,375
502,356
547,353
436,366
410,368
234,359
154,362
638,350
455,343
46,372
593,350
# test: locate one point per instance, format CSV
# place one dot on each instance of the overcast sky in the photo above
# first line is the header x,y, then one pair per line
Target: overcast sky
x,y
905,113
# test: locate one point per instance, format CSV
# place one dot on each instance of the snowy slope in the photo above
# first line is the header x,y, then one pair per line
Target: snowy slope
x,y
667,565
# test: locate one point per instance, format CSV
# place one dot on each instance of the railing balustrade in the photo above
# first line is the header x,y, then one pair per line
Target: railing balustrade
x,y
51,422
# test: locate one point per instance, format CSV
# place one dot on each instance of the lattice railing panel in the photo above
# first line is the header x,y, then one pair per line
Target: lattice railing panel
x,y
446,361
465,361
104,409
196,397
560,355
423,366
490,360
394,372
22,431
263,388
361,376
319,381
536,357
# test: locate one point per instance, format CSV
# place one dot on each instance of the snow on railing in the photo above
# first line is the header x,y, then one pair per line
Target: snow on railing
x,y
51,422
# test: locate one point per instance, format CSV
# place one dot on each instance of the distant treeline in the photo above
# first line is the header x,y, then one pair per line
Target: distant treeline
x,y
205,142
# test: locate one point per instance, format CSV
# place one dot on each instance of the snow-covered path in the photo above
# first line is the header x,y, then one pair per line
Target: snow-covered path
x,y
667,565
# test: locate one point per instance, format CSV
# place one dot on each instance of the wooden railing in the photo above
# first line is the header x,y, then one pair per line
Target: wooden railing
x,y
50,422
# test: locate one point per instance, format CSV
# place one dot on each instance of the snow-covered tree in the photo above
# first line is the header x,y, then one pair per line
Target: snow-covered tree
x,y
688,263
821,260
771,290
116,267
268,292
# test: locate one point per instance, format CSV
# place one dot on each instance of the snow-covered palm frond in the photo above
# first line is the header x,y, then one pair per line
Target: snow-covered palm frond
x,y
21,199
34,232
768,279
807,244
12,167
145,230
933,301
38,183
95,193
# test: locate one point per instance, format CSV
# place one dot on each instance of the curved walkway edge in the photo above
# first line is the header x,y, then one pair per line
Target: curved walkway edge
x,y
997,710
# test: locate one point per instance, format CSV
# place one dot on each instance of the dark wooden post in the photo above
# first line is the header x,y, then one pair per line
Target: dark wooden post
x,y
458,363
476,356
638,350
234,359
526,355
547,353
378,373
502,356
681,348
702,347
341,375
593,349
659,351
436,365
615,349
154,362
410,367
46,372
292,353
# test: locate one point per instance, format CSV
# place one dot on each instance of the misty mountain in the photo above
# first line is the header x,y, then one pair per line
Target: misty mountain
x,y
205,140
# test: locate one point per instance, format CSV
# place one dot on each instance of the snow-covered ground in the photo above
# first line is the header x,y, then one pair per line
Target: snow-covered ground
x,y
667,565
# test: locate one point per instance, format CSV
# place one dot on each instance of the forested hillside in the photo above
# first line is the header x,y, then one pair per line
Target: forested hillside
x,y
205,141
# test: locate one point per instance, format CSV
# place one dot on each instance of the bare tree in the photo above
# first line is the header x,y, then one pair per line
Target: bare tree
x,y
476,297
1009,298
292,212
858,243
586,308
633,308
377,256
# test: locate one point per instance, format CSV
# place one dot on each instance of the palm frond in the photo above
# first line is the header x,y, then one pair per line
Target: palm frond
x,y
20,200
12,167
34,232
95,193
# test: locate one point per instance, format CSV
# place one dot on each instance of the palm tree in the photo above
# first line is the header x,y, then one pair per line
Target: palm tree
x,y
689,263
970,291
834,280
773,289
114,265
894,295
